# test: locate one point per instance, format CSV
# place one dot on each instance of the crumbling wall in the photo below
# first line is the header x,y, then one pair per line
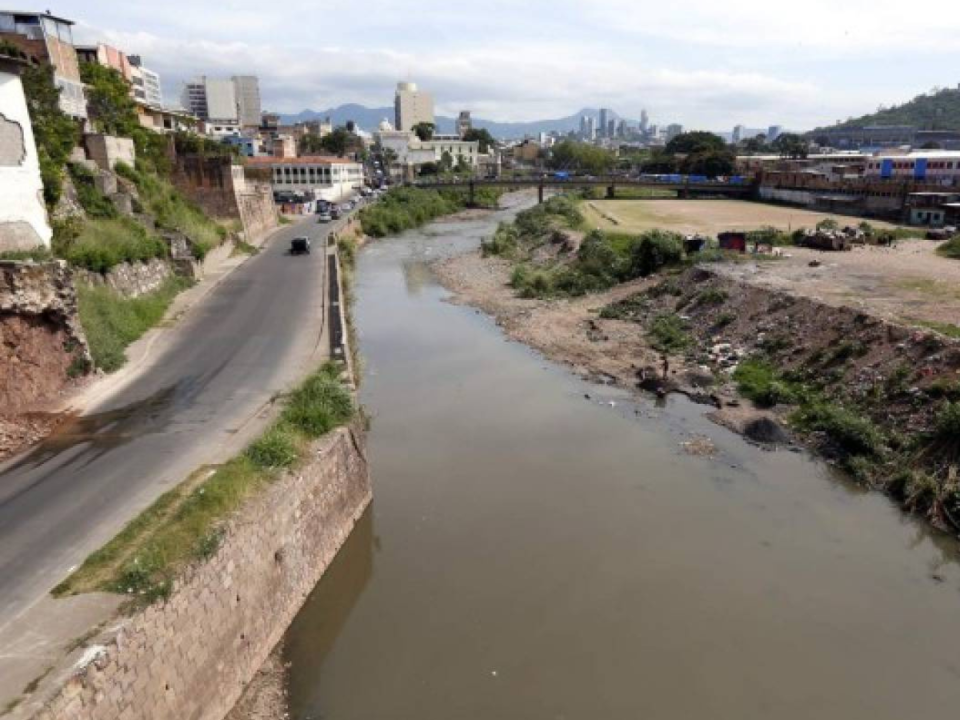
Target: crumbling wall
x,y
41,341
191,655
209,182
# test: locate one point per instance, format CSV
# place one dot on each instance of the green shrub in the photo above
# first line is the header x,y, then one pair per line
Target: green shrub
x,y
320,404
111,322
713,296
37,254
951,248
668,334
828,224
758,380
654,250
94,203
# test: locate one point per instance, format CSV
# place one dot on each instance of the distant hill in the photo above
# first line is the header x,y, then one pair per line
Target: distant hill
x,y
369,118
938,110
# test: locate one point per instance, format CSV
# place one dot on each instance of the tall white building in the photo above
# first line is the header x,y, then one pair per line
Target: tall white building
x,y
412,106
247,89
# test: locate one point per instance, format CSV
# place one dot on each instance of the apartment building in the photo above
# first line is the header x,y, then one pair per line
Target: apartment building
x,y
48,38
412,106
247,91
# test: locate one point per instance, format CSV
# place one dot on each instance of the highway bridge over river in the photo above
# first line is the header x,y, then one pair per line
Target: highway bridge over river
x,y
685,188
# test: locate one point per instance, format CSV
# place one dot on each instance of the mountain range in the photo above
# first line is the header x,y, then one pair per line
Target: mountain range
x,y
369,119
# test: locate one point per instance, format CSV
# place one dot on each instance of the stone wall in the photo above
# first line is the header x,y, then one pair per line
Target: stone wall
x,y
130,279
257,211
41,341
191,655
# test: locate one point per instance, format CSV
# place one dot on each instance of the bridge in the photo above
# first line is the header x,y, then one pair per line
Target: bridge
x,y
684,188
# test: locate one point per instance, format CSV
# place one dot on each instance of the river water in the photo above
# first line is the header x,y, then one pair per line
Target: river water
x,y
535,553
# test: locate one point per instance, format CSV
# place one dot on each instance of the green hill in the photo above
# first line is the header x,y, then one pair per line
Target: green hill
x,y
938,110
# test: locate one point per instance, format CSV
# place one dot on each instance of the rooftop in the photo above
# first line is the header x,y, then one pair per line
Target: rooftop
x,y
30,13
305,160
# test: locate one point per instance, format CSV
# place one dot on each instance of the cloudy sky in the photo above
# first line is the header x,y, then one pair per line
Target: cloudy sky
x,y
704,63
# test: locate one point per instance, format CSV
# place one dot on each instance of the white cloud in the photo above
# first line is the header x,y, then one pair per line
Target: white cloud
x,y
699,62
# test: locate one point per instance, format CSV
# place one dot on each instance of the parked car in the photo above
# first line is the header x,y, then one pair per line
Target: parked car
x,y
300,246
324,217
335,212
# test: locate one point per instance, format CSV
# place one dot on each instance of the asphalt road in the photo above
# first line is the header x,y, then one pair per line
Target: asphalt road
x,y
252,336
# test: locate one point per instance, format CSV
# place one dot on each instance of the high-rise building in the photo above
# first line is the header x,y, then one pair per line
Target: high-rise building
x,y
464,124
591,133
622,128
611,129
247,91
583,126
737,135
412,106
644,121
604,121
673,130
145,82
773,132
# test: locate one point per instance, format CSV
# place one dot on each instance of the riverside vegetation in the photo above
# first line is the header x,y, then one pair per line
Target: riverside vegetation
x,y
405,208
882,401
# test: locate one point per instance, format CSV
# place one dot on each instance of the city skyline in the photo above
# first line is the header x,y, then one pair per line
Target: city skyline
x,y
691,62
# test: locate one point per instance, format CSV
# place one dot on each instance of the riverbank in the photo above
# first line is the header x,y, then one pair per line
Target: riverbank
x,y
871,394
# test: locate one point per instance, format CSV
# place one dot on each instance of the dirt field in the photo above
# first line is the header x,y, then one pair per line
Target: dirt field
x,y
908,283
701,216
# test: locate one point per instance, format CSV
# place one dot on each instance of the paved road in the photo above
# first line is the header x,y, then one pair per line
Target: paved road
x,y
250,337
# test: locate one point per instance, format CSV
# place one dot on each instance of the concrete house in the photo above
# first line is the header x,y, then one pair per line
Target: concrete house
x,y
49,39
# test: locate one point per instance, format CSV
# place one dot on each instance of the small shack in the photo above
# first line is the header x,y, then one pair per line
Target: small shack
x,y
733,240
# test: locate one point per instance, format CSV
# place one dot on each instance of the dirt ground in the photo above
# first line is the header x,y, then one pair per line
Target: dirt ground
x,y
702,216
908,283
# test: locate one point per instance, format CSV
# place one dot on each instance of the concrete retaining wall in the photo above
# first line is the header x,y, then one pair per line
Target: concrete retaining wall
x,y
190,656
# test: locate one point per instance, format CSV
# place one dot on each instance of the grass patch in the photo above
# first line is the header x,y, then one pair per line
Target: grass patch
x,y
242,247
101,244
951,248
711,297
186,524
111,322
947,329
173,211
929,287
668,334
854,434
758,380
37,254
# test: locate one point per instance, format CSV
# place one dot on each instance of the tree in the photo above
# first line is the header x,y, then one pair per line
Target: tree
x,y
111,108
424,130
336,142
463,165
54,132
756,144
446,161
790,145
428,168
483,136
572,155
697,141
710,163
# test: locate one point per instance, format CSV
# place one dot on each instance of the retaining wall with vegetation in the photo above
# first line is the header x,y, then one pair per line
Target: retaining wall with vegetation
x,y
191,655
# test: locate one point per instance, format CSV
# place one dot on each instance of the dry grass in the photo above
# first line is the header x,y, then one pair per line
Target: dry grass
x,y
701,216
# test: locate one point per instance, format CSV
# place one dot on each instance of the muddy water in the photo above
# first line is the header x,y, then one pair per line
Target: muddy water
x,y
534,553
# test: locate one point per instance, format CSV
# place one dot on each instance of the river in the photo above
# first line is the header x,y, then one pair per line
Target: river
x,y
533,552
